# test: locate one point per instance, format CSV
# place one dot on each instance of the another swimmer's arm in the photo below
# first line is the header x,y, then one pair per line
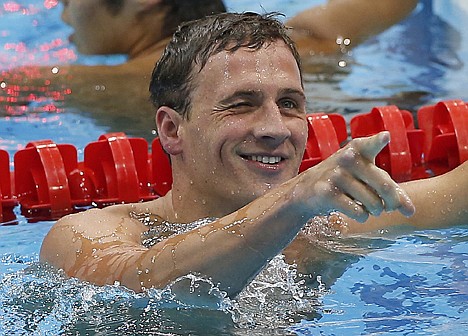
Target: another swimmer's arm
x,y
356,20
99,89
441,201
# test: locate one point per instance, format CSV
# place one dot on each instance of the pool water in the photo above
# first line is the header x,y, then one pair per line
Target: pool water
x,y
400,282
404,284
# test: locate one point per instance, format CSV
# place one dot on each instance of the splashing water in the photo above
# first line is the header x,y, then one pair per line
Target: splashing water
x,y
41,300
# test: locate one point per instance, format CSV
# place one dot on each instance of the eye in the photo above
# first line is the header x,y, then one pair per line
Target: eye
x,y
241,106
292,107
288,104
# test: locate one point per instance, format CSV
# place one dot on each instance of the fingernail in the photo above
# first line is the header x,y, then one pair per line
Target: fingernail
x,y
407,209
385,136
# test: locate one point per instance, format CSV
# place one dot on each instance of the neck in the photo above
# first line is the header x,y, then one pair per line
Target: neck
x,y
185,206
151,50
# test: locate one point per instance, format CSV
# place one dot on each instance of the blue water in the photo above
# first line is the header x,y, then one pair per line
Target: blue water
x,y
404,282
415,286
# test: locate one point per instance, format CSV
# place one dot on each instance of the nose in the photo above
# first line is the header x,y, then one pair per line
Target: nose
x,y
270,126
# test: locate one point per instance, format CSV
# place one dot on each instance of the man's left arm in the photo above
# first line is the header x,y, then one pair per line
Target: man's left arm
x,y
440,201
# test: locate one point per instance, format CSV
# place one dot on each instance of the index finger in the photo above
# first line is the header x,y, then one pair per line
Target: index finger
x,y
393,196
370,147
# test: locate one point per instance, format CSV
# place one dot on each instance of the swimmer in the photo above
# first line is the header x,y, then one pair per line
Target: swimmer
x,y
140,29
235,129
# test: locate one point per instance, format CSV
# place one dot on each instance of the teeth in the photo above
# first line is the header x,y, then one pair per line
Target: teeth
x,y
265,159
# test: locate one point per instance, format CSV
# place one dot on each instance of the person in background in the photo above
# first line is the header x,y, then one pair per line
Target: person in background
x,y
231,114
141,29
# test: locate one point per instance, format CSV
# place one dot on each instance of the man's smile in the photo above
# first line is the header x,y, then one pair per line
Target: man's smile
x,y
265,159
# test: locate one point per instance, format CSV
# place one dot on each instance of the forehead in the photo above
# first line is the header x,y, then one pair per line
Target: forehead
x,y
271,66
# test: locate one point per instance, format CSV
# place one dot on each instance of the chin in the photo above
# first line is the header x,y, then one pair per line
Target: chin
x,y
264,188
82,50
88,51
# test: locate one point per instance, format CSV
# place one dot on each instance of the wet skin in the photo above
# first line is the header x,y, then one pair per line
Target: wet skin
x,y
257,110
99,31
255,115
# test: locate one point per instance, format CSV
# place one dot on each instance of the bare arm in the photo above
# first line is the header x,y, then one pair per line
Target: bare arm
x,y
317,28
104,246
120,89
440,201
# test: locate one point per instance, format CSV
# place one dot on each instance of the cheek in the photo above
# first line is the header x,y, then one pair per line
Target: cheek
x,y
235,125
218,135
299,132
221,141
235,131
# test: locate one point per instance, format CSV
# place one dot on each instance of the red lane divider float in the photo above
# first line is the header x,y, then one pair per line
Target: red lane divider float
x,y
326,133
405,151
7,201
446,127
161,169
121,169
41,179
49,182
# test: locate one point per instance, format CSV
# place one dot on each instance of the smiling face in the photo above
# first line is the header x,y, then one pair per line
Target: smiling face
x,y
246,131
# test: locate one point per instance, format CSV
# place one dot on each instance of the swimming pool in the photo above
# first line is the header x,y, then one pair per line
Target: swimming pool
x,y
401,283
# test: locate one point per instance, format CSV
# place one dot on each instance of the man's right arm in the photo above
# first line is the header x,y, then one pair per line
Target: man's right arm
x,y
104,246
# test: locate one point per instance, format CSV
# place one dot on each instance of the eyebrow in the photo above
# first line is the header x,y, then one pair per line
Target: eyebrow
x,y
290,91
242,94
258,93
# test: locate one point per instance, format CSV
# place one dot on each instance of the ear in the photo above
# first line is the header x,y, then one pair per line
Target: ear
x,y
168,123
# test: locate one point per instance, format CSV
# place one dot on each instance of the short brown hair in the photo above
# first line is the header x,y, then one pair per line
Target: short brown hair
x,y
178,11
195,42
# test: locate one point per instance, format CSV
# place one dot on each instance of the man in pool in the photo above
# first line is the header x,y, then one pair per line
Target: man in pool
x,y
231,115
140,29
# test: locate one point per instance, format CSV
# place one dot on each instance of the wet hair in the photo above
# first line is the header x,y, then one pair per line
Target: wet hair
x,y
195,42
114,6
178,11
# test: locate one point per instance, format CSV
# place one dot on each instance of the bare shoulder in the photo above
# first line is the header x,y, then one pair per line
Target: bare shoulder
x,y
100,222
110,226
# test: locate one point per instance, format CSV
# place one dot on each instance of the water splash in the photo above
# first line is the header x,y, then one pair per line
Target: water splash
x,y
41,300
